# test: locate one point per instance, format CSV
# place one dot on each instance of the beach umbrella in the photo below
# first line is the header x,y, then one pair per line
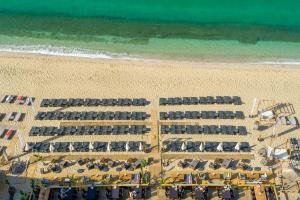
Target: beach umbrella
x,y
91,146
201,148
71,148
183,146
51,147
26,148
141,146
219,147
237,147
127,146
108,147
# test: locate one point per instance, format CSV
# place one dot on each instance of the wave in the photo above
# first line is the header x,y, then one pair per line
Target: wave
x,y
280,62
66,51
96,54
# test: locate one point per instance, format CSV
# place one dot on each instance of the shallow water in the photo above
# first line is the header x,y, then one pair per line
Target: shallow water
x,y
189,29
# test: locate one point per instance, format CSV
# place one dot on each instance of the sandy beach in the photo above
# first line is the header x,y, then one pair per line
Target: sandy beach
x,y
42,76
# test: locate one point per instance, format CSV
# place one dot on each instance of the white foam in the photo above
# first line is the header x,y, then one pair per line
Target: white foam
x,y
64,51
279,62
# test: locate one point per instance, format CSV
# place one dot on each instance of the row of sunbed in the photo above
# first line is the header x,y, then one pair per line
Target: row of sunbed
x,y
191,146
175,115
120,146
200,100
94,102
88,130
92,116
22,100
12,116
205,129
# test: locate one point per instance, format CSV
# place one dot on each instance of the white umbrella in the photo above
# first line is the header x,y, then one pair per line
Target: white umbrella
x,y
26,148
201,148
237,147
71,148
141,146
51,147
183,146
219,147
127,146
91,146
108,147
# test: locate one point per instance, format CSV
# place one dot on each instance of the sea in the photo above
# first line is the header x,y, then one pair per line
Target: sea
x,y
266,31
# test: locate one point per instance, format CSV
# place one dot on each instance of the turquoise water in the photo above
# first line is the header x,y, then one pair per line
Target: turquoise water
x,y
181,29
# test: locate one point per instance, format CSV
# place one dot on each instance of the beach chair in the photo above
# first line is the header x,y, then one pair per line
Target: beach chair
x,y
204,115
239,115
202,100
9,134
210,100
18,116
219,100
236,100
3,98
227,100
242,130
44,103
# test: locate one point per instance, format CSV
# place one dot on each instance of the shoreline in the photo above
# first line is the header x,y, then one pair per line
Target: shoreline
x,y
288,63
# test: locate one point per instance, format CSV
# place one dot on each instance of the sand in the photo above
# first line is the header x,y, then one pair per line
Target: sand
x,y
66,77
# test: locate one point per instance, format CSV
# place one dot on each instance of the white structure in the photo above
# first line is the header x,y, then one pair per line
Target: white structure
x,y
108,146
51,148
91,146
253,107
26,148
219,147
183,146
141,146
237,147
127,146
201,148
71,148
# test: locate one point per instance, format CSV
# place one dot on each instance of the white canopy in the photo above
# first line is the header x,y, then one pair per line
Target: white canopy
x,y
108,147
141,146
91,146
219,147
71,148
26,148
183,146
127,146
201,148
51,147
237,147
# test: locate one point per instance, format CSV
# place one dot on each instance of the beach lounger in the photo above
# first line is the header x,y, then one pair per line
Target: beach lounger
x,y
236,100
3,98
2,131
202,100
219,100
9,134
239,115
227,100
18,116
210,100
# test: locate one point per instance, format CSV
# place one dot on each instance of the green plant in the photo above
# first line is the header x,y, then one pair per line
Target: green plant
x,y
24,195
162,181
7,182
73,180
39,158
107,181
